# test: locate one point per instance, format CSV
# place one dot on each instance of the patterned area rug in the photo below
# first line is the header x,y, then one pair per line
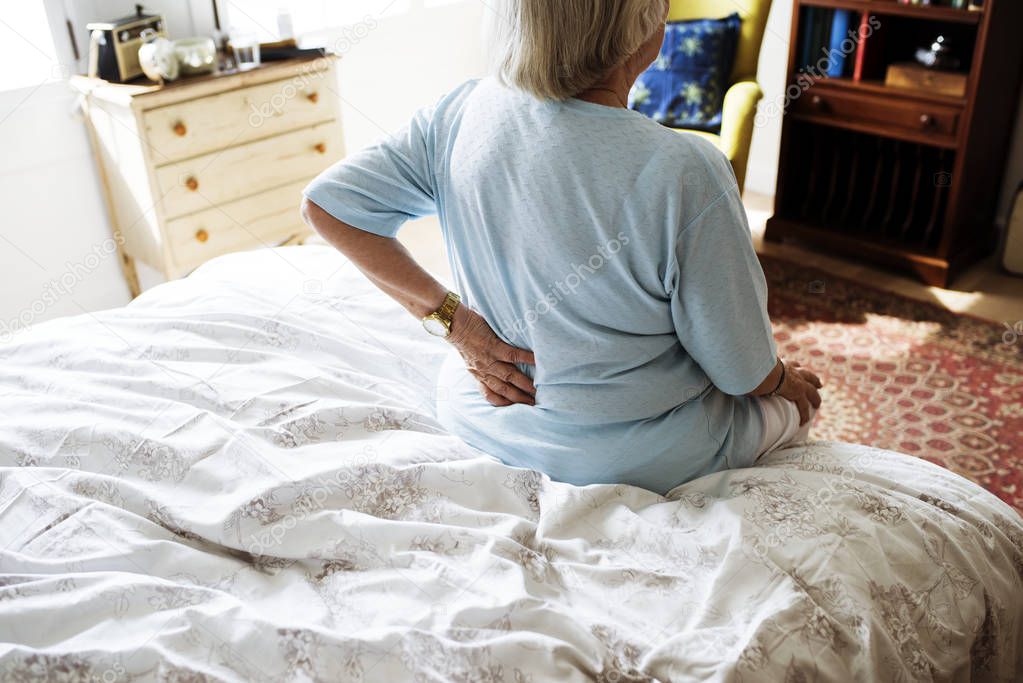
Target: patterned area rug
x,y
905,375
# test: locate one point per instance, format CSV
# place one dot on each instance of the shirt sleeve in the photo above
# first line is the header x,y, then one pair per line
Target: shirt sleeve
x,y
719,298
385,185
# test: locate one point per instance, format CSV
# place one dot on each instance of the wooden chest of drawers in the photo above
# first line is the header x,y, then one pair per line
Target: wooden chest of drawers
x,y
199,168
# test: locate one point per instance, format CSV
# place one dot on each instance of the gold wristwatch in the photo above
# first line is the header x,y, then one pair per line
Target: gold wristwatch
x,y
439,324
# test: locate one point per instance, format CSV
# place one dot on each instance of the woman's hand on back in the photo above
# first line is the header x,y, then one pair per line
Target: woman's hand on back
x,y
491,361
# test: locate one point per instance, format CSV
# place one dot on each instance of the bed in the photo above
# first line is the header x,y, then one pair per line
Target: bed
x,y
238,477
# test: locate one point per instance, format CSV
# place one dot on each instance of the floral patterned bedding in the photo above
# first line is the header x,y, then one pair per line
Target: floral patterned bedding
x,y
238,478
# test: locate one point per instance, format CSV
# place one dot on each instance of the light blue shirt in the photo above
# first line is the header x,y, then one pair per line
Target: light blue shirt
x,y
615,249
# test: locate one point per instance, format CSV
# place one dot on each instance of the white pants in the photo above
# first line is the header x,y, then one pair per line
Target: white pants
x,y
781,424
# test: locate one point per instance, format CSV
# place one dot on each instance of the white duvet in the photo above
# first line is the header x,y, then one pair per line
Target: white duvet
x,y
238,477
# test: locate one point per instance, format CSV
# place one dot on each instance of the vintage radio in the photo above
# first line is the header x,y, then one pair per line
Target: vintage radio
x,y
114,47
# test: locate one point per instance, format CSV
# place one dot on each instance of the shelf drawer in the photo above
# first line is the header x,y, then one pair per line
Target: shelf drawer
x,y
214,179
885,116
262,220
196,127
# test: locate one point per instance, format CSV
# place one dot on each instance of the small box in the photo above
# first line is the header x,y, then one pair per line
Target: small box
x,y
913,76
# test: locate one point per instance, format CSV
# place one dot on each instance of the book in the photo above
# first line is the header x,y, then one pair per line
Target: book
x,y
815,40
806,44
822,33
823,40
817,23
839,33
814,32
850,59
870,52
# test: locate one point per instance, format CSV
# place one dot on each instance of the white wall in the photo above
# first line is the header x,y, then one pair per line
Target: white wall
x,y
405,63
762,172
52,217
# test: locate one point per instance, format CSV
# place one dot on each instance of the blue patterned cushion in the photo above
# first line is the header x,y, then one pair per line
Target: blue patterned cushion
x,y
685,86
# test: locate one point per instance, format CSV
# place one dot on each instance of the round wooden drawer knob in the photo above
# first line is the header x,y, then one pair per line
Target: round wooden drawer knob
x,y
926,120
313,97
202,236
818,102
180,129
321,148
192,184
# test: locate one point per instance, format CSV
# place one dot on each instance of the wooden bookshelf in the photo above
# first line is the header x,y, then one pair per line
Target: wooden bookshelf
x,y
903,177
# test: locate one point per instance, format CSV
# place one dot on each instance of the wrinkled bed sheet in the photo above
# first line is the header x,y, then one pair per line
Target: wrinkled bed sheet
x,y
238,477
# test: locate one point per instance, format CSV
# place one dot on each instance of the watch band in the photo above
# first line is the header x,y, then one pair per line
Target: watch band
x,y
447,310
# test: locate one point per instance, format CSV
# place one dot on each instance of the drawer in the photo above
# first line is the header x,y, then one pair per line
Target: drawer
x,y
213,179
189,129
263,220
883,115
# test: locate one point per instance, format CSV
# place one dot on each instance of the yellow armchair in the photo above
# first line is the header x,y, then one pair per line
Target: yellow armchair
x,y
740,105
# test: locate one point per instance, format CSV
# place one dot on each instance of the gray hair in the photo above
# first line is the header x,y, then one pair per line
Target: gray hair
x,y
555,49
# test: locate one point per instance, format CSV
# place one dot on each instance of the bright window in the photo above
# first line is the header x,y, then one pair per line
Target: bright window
x,y
26,46
308,16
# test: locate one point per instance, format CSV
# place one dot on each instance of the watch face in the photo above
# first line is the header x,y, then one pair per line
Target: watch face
x,y
436,327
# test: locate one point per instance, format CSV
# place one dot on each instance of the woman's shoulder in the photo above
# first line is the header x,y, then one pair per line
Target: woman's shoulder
x,y
687,149
446,113
687,159
455,99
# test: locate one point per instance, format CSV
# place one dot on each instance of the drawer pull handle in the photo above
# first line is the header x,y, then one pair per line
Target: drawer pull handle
x,y
926,120
202,236
818,103
313,97
180,129
321,148
192,184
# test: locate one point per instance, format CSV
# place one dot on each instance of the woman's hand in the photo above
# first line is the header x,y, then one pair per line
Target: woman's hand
x,y
491,361
800,387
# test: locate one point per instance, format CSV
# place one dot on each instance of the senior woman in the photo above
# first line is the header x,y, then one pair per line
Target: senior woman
x,y
610,318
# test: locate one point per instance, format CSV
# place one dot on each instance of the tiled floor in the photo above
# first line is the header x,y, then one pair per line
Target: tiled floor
x,y
982,291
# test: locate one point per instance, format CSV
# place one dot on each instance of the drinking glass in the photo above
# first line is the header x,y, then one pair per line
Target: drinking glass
x,y
246,50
